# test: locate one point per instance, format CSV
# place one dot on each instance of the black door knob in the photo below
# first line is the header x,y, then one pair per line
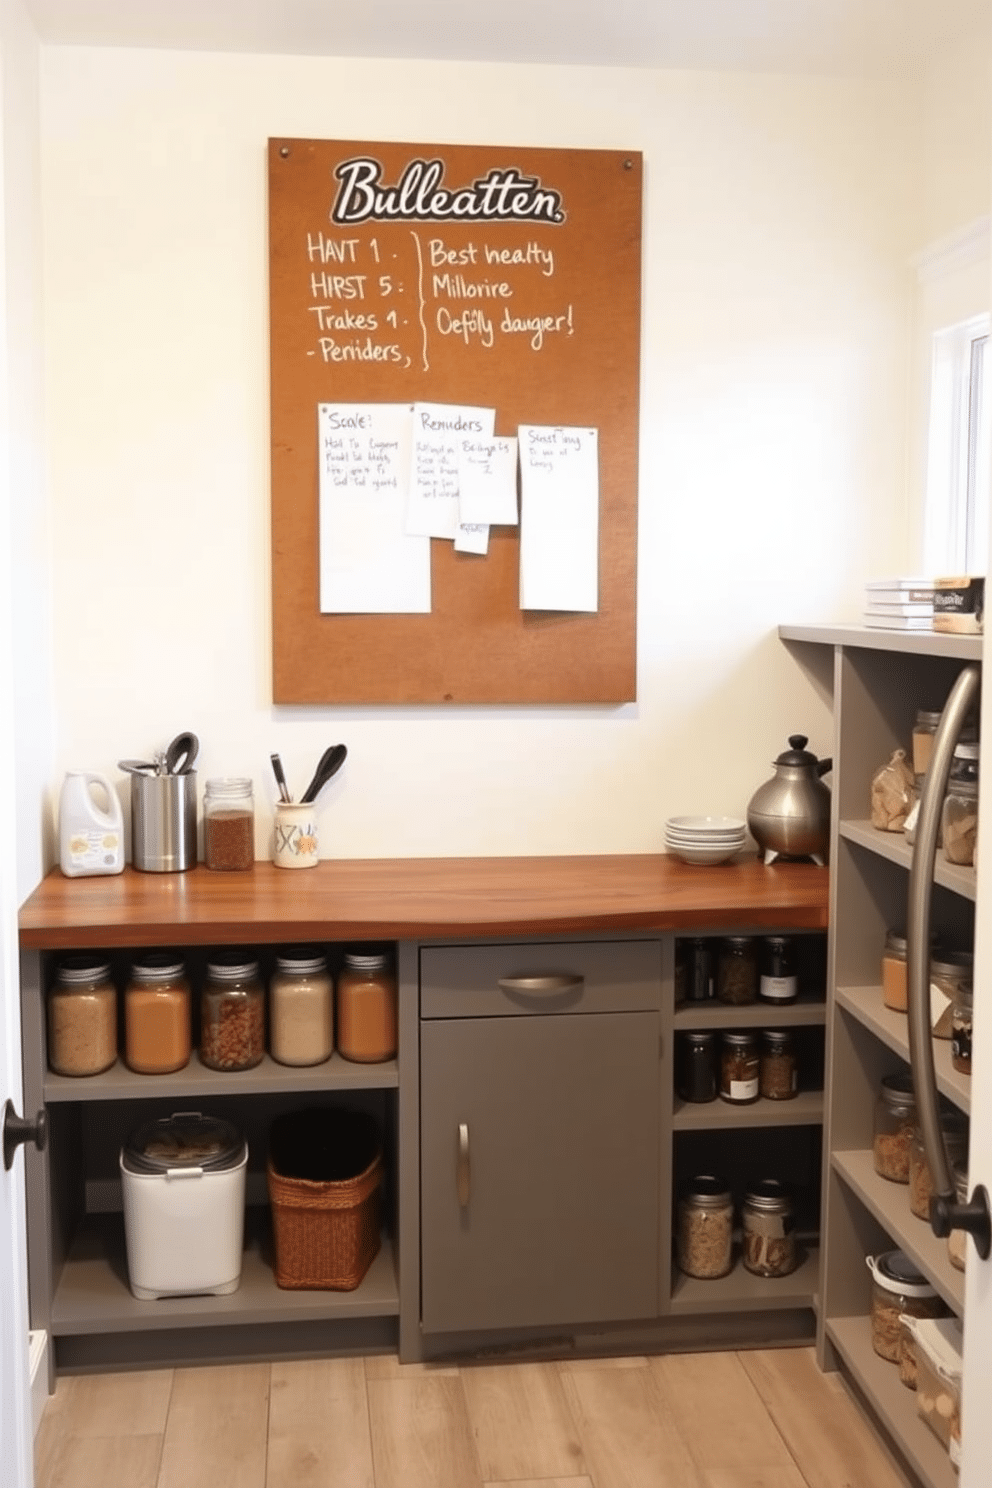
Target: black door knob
x,y
18,1129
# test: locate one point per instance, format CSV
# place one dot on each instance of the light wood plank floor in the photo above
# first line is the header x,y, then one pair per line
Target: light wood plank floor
x,y
758,1419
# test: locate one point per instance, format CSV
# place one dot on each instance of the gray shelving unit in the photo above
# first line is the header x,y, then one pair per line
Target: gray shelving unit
x,y
878,680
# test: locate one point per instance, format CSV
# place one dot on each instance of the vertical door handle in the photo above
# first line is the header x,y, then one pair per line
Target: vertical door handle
x,y
463,1168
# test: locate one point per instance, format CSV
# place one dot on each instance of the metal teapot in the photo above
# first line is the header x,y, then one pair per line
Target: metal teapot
x,y
789,816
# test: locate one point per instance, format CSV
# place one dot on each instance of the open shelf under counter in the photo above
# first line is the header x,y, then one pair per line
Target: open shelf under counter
x,y
889,1203
892,1028
894,1404
894,847
93,1296
871,638
739,1291
807,1010
267,1078
804,1109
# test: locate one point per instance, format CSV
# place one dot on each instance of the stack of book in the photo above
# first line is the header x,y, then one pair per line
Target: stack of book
x,y
899,604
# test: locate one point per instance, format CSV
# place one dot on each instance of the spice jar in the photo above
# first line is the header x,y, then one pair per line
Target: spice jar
x,y
768,1224
779,981
959,821
737,970
954,1125
961,1020
232,1013
778,1074
705,1228
739,1068
229,823
897,1288
366,1008
894,983
82,1017
301,1016
697,1066
924,731
157,1035
949,971
957,1240
895,1124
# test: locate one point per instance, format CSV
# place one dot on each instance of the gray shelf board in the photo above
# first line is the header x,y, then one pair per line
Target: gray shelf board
x,y
267,1078
871,638
805,1109
894,847
889,1203
894,1403
742,1292
865,1003
93,1295
807,1011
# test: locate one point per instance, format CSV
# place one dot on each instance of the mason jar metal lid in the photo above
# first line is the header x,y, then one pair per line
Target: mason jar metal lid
x,y
738,1040
232,966
776,1035
83,969
184,1140
157,966
967,750
300,959
702,1036
951,963
928,717
768,1196
708,1191
359,961
895,1272
897,1090
738,942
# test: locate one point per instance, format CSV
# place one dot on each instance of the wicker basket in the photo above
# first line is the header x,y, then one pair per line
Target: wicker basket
x,y
326,1230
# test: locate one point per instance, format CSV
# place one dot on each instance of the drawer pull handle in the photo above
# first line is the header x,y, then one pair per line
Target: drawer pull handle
x,y
463,1172
542,986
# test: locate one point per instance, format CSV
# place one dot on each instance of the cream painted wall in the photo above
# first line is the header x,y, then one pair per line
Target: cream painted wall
x,y
779,216
957,137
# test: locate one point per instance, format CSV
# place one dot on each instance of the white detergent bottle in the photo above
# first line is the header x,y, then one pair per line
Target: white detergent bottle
x,y
91,837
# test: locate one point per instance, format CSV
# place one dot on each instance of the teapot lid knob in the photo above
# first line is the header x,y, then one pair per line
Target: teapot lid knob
x,y
797,753
798,741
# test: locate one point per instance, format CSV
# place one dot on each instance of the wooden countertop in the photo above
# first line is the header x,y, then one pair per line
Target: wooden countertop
x,y
421,898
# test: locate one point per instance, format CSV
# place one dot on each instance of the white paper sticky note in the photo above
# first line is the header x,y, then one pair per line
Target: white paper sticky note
x,y
472,537
487,480
438,428
369,564
559,518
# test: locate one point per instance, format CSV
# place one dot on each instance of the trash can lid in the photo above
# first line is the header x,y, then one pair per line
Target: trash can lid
x,y
186,1139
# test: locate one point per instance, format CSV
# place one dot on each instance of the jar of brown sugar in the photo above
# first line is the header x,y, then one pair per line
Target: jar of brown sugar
x,y
157,1035
82,1017
301,1011
366,1008
232,1013
229,823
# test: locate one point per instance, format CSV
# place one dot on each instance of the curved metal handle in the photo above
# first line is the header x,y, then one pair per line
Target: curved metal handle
x,y
945,1212
463,1167
542,986
18,1129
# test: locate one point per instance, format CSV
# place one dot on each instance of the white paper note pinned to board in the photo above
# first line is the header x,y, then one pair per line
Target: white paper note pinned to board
x,y
437,430
369,564
472,537
559,518
487,480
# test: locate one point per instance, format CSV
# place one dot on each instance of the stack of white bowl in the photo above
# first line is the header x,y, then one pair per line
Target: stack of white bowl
x,y
705,839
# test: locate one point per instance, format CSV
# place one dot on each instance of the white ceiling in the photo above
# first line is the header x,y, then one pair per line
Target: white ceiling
x,y
875,38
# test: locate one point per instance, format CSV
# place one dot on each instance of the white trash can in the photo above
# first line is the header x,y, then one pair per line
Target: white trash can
x,y
184,1206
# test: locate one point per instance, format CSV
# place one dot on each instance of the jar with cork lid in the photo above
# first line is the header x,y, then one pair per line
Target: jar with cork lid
x,y
366,1007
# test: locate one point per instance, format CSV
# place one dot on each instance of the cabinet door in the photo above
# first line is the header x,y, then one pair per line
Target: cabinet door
x,y
558,1222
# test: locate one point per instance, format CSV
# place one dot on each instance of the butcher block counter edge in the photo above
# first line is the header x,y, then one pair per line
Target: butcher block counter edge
x,y
422,898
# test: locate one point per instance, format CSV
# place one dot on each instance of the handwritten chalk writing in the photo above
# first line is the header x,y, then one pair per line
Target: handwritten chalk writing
x,y
338,286
537,326
532,254
470,325
342,320
457,287
359,351
442,255
331,250
503,195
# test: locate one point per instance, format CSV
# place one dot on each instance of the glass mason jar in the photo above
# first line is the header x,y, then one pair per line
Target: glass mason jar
x,y
778,1073
697,1066
957,1240
229,823
961,1021
894,985
895,1125
924,731
954,1125
769,1225
301,1008
157,1015
705,1228
949,971
897,1289
737,970
959,821
698,954
82,1017
779,980
739,1068
232,1013
366,1008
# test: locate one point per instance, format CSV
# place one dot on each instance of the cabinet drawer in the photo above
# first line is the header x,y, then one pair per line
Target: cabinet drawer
x,y
583,977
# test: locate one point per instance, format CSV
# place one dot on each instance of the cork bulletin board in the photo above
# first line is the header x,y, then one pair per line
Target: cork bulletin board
x,y
506,278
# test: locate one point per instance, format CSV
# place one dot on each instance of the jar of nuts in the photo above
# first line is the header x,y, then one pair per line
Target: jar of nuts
x,y
232,1012
895,1122
705,1228
898,1288
954,1125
